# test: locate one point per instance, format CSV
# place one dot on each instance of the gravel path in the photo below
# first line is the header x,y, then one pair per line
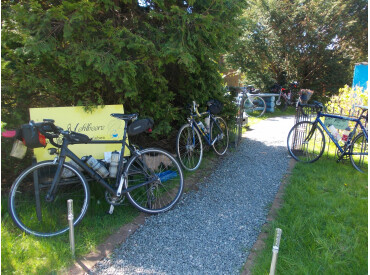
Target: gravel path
x,y
212,230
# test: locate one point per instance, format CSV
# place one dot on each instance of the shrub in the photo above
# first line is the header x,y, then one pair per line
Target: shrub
x,y
346,100
153,57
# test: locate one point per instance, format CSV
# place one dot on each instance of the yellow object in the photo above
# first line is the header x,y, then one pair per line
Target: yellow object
x,y
98,125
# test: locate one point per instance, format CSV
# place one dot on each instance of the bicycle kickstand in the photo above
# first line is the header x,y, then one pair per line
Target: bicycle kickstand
x,y
111,208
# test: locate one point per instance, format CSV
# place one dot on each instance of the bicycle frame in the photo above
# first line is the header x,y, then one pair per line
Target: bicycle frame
x,y
358,123
65,152
283,94
206,136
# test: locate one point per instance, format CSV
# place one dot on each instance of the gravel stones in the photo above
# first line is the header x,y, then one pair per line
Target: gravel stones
x,y
212,230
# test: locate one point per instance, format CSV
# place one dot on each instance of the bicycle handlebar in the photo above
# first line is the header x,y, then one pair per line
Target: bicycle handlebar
x,y
319,107
49,130
316,104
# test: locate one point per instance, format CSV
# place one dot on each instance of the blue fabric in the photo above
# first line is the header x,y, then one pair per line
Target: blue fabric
x,y
360,76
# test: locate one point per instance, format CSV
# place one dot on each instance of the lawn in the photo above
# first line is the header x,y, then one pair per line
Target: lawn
x,y
26,254
324,219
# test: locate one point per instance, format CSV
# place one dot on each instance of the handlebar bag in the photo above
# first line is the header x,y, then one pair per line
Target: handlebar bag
x,y
139,126
214,106
31,137
79,138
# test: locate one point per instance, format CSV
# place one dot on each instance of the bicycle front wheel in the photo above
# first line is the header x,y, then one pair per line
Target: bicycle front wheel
x,y
33,213
154,181
255,106
359,153
189,147
306,142
219,136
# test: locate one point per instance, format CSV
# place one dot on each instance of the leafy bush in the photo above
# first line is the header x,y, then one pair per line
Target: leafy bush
x,y
346,100
151,56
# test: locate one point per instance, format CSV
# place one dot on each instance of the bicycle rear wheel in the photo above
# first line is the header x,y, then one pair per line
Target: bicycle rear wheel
x,y
359,153
306,142
189,147
157,179
29,208
220,132
255,106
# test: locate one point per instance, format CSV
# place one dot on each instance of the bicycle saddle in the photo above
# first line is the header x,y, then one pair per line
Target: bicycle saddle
x,y
126,117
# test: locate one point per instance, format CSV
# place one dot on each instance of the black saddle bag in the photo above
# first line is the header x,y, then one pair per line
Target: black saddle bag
x,y
214,106
140,126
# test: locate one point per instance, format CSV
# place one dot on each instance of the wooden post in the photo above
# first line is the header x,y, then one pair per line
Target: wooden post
x,y
275,250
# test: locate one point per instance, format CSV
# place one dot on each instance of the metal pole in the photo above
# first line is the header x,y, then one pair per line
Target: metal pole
x,y
275,250
71,227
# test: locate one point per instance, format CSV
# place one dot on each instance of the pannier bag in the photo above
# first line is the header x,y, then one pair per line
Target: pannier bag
x,y
214,106
31,137
139,126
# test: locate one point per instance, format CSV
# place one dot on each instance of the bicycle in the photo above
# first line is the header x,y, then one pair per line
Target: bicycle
x,y
254,105
286,96
189,143
151,179
306,140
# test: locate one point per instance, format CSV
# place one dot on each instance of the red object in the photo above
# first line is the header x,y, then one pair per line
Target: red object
x,y
150,130
42,139
9,133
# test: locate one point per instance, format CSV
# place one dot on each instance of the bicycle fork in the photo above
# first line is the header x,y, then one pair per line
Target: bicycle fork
x,y
51,193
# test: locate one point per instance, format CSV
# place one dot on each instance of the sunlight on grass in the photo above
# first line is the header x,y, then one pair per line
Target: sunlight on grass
x,y
25,254
277,113
324,222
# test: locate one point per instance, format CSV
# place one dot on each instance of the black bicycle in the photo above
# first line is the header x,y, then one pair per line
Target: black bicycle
x,y
151,179
189,143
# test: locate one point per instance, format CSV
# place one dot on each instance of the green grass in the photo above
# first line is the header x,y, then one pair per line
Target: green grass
x,y
277,113
25,254
324,220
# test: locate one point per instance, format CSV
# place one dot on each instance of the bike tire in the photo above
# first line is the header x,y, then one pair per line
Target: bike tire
x,y
189,147
359,153
306,150
159,166
283,105
255,106
33,214
221,145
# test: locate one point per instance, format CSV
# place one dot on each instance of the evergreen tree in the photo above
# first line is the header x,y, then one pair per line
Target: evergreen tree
x,y
152,56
